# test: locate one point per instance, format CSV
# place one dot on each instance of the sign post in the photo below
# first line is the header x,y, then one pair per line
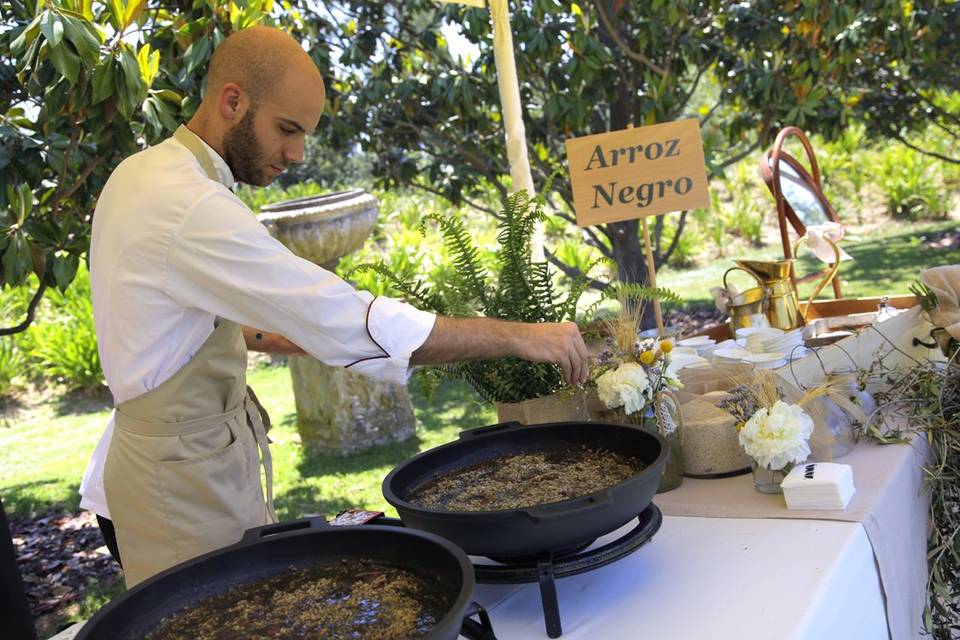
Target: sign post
x,y
638,173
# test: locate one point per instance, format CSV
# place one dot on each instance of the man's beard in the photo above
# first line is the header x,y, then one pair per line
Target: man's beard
x,y
243,154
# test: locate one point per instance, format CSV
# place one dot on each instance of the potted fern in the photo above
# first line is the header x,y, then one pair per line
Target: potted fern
x,y
515,288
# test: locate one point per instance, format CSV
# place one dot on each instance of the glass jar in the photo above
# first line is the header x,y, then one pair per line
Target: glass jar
x,y
673,471
672,474
766,480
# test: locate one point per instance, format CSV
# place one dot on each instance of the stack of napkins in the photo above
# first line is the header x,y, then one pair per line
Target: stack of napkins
x,y
818,485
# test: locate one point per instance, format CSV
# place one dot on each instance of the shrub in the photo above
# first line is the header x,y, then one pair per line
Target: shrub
x,y
62,345
912,185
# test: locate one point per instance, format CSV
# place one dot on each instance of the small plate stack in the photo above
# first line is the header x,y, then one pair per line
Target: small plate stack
x,y
701,345
789,343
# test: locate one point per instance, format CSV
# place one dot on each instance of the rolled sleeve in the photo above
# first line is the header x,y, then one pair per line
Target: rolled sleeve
x,y
398,329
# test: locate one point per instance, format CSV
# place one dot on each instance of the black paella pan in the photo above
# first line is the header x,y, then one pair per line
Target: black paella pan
x,y
270,550
555,527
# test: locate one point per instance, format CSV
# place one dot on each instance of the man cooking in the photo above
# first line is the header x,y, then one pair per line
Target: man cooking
x,y
185,280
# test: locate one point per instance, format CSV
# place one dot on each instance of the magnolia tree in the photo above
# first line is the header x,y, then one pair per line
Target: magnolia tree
x,y
84,83
432,120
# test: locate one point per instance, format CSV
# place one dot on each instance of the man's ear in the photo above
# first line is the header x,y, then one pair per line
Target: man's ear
x,y
232,102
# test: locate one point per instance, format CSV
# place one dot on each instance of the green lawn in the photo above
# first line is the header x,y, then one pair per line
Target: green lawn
x,y
42,459
885,262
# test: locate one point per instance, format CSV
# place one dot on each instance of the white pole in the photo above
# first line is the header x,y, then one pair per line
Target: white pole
x,y
509,86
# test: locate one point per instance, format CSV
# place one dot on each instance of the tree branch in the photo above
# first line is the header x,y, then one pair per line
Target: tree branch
x,y
627,51
693,87
57,198
574,272
710,113
437,192
932,154
593,239
676,239
740,156
31,311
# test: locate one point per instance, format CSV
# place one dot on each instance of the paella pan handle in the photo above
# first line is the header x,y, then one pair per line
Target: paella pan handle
x,y
482,431
474,630
569,508
258,533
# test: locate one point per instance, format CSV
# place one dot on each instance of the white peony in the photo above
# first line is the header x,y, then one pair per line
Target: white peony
x,y
624,387
779,436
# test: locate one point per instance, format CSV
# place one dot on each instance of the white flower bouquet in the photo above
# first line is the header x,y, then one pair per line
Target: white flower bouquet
x,y
631,379
775,433
778,435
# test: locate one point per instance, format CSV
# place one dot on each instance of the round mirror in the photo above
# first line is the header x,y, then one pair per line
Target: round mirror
x,y
799,193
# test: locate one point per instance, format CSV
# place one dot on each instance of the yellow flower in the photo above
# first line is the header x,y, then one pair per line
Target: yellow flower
x,y
647,357
741,425
666,346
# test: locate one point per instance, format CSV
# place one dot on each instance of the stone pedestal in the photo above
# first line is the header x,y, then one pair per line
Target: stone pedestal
x,y
338,411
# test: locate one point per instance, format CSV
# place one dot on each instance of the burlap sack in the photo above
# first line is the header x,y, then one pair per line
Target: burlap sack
x,y
568,405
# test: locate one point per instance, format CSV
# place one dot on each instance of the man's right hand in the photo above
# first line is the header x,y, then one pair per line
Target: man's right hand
x,y
559,343
460,339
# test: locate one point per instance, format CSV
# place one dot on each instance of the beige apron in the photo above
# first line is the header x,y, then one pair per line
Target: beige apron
x,y
182,476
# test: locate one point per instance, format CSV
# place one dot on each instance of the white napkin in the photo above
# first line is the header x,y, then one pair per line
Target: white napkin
x,y
820,247
818,485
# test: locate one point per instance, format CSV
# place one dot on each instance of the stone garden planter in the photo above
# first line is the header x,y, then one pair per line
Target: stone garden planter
x,y
338,411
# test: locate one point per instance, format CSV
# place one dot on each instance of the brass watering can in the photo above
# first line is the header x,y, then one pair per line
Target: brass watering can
x,y
779,295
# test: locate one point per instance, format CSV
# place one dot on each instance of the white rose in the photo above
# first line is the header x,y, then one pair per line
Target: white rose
x,y
624,387
776,437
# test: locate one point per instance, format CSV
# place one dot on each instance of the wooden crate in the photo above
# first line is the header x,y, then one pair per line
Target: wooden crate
x,y
826,309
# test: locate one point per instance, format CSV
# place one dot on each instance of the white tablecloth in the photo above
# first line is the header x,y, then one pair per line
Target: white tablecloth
x,y
715,578
711,578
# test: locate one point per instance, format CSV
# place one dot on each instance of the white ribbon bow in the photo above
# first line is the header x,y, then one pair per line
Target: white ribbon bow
x,y
820,247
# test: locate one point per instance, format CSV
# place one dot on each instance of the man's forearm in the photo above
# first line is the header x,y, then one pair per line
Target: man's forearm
x,y
458,339
269,342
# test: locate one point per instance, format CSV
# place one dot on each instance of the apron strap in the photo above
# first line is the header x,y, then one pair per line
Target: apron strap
x,y
253,410
190,140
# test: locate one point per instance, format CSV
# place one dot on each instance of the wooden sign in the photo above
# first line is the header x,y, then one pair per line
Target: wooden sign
x,y
639,172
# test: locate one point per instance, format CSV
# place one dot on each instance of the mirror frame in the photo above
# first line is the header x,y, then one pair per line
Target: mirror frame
x,y
770,172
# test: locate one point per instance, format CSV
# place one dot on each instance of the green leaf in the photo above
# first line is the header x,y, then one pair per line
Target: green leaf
x,y
168,95
196,54
52,28
65,62
25,200
149,63
103,80
26,37
64,270
131,72
17,262
116,14
124,99
166,117
84,38
149,111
